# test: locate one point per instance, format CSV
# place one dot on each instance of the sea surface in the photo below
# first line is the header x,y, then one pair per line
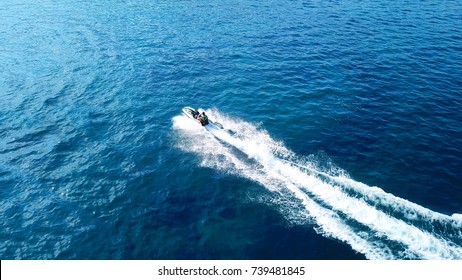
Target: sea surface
x,y
342,130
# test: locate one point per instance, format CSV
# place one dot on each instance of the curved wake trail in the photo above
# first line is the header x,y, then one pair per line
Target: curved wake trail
x,y
371,221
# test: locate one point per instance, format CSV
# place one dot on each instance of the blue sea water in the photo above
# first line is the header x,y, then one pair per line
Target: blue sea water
x,y
342,140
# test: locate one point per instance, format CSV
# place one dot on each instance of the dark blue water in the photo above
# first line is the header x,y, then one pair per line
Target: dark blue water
x,y
342,140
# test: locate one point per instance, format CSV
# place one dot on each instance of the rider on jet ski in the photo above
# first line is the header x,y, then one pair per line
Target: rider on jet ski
x,y
203,118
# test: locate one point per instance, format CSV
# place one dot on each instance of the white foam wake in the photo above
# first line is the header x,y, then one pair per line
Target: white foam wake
x,y
371,221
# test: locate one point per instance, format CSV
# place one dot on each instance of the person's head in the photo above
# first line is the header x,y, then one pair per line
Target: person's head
x,y
203,113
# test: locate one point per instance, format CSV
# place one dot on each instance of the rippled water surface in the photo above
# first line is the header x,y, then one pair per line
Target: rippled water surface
x,y
342,129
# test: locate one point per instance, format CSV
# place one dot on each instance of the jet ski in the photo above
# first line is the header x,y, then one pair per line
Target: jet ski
x,y
192,113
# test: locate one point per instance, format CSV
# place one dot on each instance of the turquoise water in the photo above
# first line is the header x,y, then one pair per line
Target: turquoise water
x,y
342,131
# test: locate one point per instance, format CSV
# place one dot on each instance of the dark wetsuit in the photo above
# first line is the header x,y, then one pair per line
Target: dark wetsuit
x,y
204,120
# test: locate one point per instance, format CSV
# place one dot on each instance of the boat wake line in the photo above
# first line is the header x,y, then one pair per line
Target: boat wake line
x,y
372,221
